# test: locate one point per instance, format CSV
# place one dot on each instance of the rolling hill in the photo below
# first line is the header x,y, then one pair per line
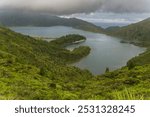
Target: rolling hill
x,y
138,33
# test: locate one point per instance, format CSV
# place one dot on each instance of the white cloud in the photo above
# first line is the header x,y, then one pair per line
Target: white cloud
x,y
126,18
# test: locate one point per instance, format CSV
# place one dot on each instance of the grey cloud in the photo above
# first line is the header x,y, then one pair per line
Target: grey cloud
x,y
120,6
60,7
52,6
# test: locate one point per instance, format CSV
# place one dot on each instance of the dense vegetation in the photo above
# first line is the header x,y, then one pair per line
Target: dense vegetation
x,y
68,39
33,69
36,69
138,34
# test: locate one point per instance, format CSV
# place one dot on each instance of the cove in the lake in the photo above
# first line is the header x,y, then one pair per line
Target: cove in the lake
x,y
106,51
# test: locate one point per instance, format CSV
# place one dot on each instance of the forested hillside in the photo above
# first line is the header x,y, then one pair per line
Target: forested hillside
x,y
37,69
138,34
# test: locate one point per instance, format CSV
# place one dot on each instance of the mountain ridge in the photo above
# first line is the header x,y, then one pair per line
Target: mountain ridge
x,y
30,19
137,32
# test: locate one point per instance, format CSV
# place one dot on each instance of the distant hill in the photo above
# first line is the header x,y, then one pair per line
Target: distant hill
x,y
112,28
30,19
138,32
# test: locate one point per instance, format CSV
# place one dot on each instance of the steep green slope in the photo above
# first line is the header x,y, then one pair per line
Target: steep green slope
x,y
36,69
30,69
138,33
142,59
30,19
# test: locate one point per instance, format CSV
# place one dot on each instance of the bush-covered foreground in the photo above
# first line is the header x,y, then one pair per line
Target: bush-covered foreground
x,y
36,69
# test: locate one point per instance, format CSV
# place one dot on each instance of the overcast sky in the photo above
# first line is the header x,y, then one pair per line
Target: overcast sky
x,y
78,6
93,10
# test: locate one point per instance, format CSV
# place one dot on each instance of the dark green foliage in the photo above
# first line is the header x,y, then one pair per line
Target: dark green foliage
x,y
107,70
43,71
131,64
68,39
138,33
131,81
77,53
81,51
142,59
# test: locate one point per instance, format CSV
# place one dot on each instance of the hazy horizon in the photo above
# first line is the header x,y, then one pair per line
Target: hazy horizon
x,y
99,12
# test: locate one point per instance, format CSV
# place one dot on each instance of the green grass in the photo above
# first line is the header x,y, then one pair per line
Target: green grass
x,y
128,95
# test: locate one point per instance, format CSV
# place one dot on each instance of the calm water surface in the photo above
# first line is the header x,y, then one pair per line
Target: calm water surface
x,y
106,51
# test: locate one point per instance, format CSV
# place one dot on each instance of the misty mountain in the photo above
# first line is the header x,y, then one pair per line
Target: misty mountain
x,y
44,20
112,28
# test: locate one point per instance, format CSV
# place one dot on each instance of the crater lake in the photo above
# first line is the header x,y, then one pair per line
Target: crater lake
x,y
106,51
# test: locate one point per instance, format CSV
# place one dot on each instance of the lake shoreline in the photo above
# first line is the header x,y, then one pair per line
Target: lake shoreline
x,y
106,51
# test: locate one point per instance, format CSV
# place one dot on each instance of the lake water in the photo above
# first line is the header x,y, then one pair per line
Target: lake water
x,y
106,51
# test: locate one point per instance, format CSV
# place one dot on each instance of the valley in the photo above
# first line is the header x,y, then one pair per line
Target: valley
x,y
36,69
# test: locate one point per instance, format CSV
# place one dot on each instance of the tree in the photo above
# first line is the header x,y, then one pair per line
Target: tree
x,y
131,64
43,71
107,70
